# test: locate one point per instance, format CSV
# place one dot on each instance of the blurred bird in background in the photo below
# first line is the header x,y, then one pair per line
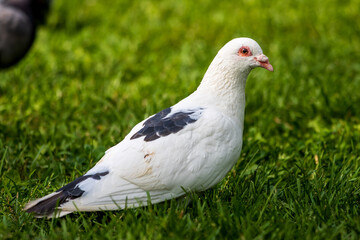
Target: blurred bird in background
x,y
19,20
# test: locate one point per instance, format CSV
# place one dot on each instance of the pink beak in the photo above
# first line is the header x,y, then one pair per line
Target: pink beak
x,y
264,62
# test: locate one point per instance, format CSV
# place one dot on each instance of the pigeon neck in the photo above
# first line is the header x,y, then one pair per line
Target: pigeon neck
x,y
223,86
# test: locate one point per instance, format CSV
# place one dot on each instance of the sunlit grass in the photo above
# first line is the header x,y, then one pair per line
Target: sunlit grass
x,y
99,67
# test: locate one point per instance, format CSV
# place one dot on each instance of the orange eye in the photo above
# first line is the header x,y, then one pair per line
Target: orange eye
x,y
244,52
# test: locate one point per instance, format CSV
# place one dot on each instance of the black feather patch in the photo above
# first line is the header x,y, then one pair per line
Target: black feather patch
x,y
74,191
64,194
163,124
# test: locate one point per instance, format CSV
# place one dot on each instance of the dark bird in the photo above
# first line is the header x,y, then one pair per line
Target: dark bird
x,y
19,20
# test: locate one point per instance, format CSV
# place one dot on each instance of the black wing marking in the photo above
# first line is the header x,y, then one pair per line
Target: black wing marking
x,y
163,124
64,194
73,191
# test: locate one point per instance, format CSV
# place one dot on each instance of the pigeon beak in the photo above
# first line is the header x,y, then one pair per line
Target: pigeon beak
x,y
264,62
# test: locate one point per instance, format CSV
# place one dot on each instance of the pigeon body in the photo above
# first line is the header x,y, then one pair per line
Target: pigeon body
x,y
190,146
18,23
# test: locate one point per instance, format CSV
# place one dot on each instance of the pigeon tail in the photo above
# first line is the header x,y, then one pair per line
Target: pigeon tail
x,y
46,206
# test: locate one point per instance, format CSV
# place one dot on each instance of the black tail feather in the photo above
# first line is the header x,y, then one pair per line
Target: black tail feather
x,y
47,205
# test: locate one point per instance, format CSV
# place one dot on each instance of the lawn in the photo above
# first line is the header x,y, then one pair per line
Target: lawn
x,y
99,67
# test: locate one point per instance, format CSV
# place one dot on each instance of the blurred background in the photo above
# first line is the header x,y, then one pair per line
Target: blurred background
x,y
98,67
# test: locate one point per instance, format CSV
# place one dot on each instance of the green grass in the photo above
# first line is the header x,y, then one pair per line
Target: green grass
x,y
99,67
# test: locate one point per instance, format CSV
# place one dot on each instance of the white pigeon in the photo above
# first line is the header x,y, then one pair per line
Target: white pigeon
x,y
190,146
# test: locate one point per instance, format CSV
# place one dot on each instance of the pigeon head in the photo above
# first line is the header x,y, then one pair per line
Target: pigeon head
x,y
245,54
232,65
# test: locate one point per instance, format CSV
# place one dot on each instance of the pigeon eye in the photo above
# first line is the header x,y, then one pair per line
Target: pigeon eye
x,y
244,52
